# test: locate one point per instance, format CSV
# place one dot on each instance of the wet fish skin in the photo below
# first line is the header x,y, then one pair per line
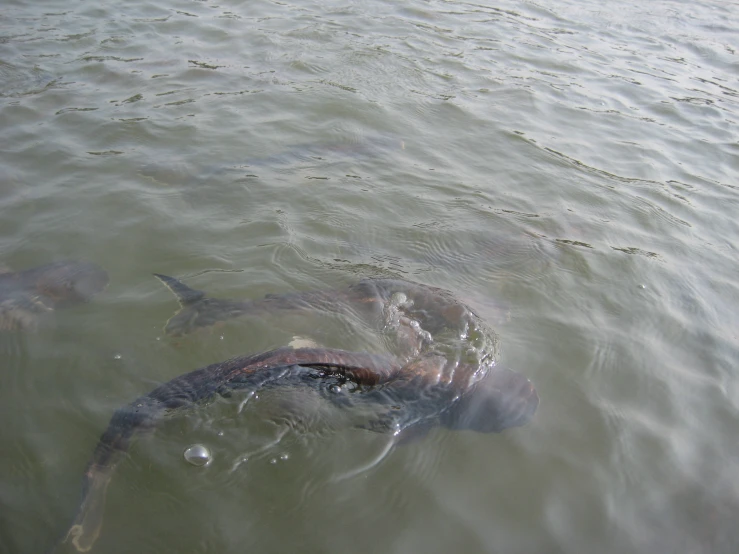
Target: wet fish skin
x,y
487,393
417,388
187,391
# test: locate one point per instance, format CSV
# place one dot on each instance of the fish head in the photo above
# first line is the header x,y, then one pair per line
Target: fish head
x,y
70,282
500,400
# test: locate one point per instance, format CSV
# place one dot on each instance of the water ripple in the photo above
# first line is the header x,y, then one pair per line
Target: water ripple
x,y
567,169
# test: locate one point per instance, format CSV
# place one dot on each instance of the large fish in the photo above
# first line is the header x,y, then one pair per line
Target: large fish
x,y
430,390
26,295
381,301
441,372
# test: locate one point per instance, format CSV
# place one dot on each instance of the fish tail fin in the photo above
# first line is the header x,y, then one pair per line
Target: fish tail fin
x,y
185,295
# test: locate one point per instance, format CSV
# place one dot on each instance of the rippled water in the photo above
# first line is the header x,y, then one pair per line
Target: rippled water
x,y
569,169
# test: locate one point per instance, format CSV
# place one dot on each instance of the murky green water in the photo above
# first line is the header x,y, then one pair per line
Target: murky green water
x,y
567,168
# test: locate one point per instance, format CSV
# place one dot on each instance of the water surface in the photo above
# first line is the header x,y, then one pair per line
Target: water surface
x,y
567,168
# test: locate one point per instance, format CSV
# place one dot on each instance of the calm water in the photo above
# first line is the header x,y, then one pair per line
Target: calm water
x,y
568,168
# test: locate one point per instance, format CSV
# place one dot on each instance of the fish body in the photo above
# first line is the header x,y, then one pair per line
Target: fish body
x,y
442,373
483,399
370,298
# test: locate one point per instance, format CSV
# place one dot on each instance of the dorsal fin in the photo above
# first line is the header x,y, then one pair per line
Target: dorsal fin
x,y
185,295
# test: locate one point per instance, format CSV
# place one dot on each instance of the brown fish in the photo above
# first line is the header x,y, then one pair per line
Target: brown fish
x,y
430,390
441,374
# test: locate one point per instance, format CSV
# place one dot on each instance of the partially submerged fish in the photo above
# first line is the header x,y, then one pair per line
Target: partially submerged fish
x,y
441,373
25,295
430,390
380,301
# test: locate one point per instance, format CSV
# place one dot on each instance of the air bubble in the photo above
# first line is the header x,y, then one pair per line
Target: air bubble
x,y
399,299
198,455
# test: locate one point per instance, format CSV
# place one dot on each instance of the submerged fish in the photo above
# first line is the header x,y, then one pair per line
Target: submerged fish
x,y
388,301
430,390
25,295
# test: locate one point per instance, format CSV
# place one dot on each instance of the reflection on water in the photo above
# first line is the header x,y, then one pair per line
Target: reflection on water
x,y
566,169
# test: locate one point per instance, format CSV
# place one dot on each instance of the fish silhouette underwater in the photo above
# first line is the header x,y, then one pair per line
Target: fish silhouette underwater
x,y
420,387
27,295
382,302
